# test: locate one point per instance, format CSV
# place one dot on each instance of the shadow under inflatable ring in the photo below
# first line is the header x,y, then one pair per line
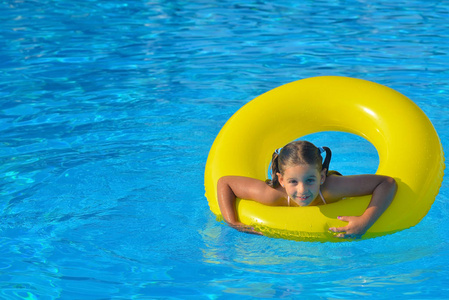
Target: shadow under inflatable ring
x,y
408,146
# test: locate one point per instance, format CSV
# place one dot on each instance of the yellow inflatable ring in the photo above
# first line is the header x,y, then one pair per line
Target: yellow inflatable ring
x,y
408,146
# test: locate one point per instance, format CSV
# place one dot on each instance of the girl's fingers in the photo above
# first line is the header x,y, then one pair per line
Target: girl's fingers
x,y
338,229
245,229
348,236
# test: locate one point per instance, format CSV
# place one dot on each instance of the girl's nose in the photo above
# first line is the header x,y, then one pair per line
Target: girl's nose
x,y
301,188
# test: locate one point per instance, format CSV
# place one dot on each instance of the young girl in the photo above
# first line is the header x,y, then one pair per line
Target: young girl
x,y
299,178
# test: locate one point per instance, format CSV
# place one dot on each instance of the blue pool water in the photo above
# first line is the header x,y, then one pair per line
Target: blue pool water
x,y
109,108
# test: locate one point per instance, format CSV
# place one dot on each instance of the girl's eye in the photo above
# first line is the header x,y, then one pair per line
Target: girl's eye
x,y
310,181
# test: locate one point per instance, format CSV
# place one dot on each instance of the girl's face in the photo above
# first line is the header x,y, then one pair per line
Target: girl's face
x,y
302,183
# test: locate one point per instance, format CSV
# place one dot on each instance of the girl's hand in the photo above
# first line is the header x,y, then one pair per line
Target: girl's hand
x,y
356,227
244,228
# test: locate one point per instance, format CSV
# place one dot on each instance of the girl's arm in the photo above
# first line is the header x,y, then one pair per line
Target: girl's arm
x,y
231,187
382,188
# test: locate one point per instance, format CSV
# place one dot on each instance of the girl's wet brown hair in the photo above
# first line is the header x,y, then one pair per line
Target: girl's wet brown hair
x,y
297,153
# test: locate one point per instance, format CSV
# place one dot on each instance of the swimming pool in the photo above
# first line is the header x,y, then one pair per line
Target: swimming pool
x,y
108,112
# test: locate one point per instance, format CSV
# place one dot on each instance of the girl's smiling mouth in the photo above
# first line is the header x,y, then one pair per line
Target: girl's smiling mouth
x,y
303,200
